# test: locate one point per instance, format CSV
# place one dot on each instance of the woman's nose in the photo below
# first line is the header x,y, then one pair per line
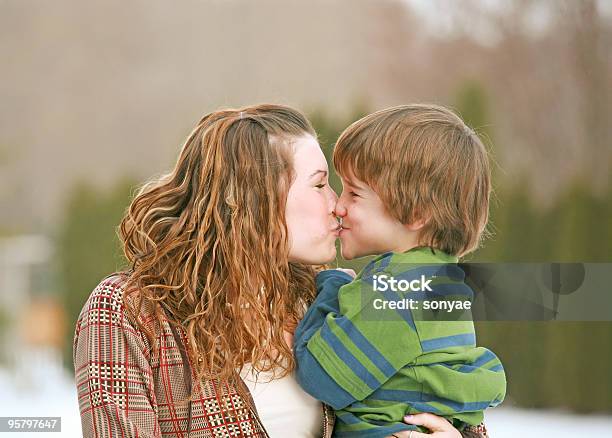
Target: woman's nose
x,y
334,195
332,198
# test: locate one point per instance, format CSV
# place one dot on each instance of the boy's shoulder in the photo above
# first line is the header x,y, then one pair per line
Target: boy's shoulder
x,y
425,254
393,262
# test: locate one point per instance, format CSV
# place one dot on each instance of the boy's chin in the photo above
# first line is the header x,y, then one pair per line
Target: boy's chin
x,y
345,251
349,253
346,256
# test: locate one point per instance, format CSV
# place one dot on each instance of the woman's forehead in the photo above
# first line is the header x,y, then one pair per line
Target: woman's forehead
x,y
308,156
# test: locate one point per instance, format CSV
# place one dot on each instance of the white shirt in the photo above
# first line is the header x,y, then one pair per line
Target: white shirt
x,y
284,408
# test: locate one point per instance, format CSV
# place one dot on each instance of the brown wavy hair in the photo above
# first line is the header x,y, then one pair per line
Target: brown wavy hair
x,y
423,161
208,242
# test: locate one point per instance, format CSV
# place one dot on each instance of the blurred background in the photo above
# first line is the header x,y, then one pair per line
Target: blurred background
x,y
97,97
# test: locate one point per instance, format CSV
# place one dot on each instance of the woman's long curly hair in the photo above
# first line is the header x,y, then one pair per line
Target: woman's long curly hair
x,y
209,243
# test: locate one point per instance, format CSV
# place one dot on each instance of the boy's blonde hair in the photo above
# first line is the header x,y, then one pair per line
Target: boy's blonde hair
x,y
423,161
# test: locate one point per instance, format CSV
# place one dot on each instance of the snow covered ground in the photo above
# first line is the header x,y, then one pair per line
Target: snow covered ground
x,y
505,422
57,398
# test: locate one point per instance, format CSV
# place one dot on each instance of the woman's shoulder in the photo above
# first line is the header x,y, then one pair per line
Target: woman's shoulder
x,y
106,318
106,304
108,294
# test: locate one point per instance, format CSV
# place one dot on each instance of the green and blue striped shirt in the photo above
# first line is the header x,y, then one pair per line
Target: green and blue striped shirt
x,y
373,365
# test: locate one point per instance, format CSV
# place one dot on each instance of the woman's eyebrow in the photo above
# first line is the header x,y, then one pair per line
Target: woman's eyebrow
x,y
324,172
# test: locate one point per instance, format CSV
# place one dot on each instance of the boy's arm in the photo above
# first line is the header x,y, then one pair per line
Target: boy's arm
x,y
311,376
356,346
328,283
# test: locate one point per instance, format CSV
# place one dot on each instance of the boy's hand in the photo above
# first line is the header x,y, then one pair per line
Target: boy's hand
x,y
347,271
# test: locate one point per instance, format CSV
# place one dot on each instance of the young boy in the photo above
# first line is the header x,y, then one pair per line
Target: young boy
x,y
416,185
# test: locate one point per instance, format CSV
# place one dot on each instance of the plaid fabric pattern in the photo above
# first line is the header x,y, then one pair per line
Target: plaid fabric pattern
x,y
124,391
479,431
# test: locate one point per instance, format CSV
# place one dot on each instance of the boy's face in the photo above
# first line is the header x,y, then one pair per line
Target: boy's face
x,y
367,227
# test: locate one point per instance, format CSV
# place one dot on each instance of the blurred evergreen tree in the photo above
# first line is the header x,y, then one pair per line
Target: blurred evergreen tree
x,y
583,226
548,364
88,248
472,104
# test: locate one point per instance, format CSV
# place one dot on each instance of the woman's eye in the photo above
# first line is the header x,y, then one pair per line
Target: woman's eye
x,y
320,186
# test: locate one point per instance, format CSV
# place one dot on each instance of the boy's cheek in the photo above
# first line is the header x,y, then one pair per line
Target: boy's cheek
x,y
349,213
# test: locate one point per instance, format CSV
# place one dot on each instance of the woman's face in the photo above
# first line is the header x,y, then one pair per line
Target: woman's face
x,y
312,226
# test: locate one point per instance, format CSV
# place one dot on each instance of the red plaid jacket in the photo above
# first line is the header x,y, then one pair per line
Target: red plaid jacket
x,y
124,390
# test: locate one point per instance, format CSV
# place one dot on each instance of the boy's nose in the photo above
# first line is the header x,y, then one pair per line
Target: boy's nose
x,y
340,210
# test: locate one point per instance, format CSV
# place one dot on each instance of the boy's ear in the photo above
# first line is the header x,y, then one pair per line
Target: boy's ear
x,y
419,221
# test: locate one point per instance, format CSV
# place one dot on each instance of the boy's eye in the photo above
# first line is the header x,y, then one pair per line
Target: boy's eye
x,y
353,194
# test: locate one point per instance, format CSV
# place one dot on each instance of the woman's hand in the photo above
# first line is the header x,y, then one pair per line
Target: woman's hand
x,y
439,427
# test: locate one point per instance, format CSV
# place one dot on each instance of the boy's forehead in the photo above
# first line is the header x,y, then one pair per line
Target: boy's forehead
x,y
350,178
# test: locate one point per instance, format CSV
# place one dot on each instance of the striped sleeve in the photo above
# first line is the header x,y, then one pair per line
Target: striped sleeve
x,y
311,376
359,348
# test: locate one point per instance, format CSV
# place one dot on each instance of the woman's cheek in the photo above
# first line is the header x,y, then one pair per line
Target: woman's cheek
x,y
312,231
316,222
324,219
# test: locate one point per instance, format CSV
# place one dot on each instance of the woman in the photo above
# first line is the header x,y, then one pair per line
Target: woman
x,y
222,251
